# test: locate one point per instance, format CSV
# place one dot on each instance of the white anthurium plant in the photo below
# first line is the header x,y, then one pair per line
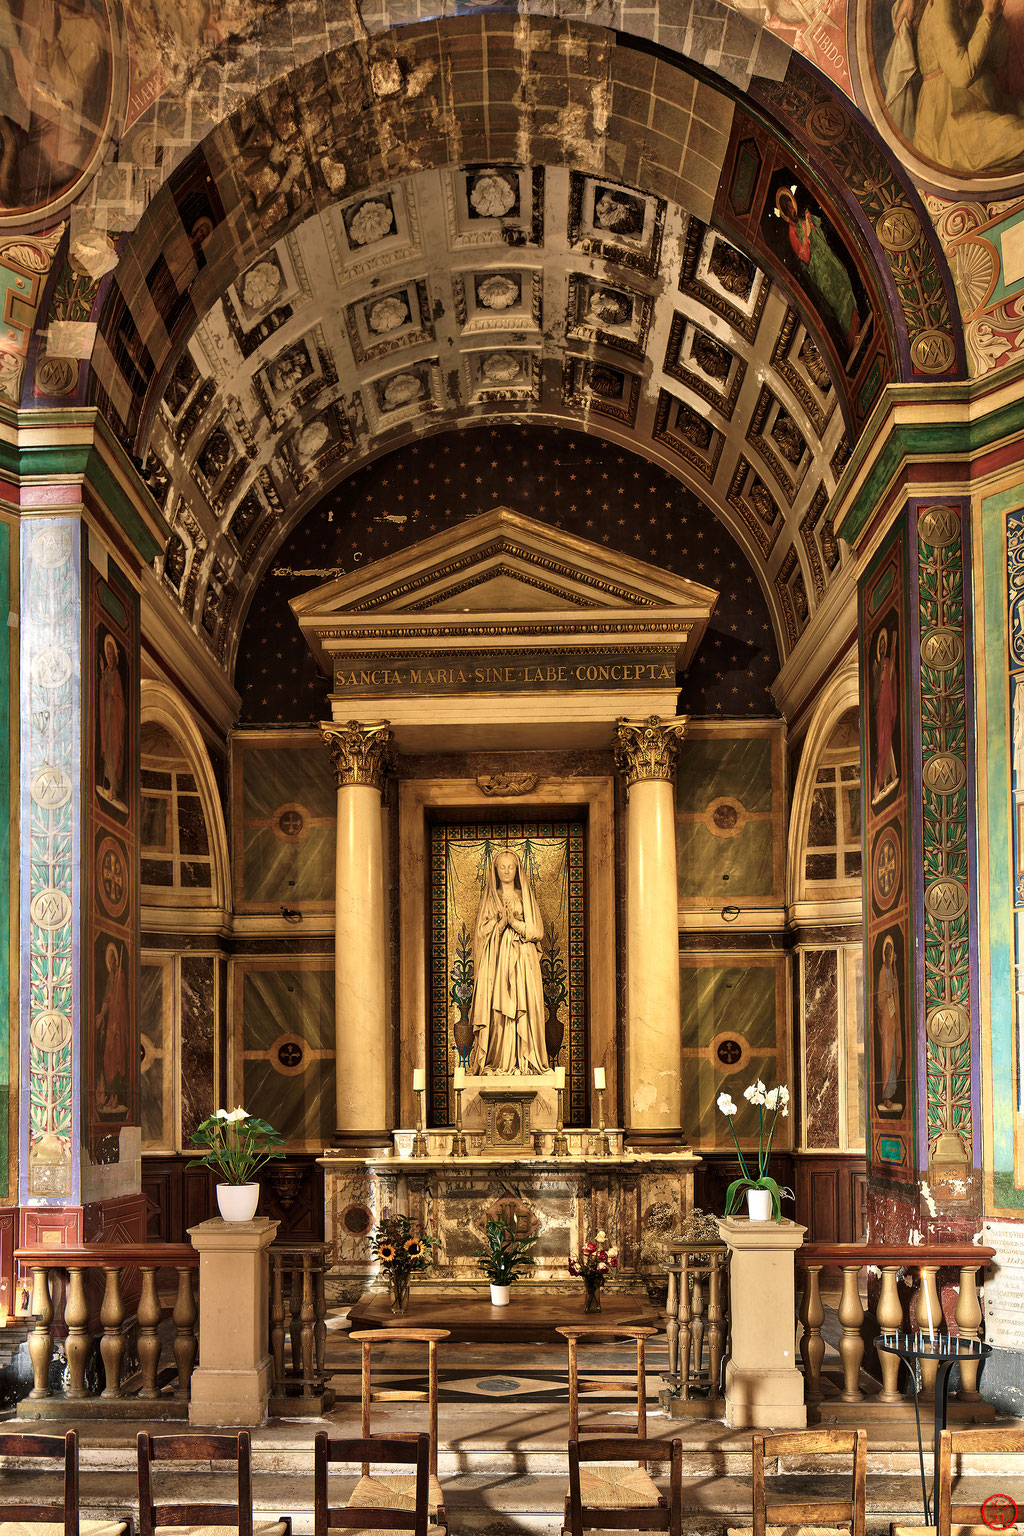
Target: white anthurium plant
x,y
237,1145
770,1104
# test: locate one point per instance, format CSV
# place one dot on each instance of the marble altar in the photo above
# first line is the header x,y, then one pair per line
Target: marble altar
x,y
638,1198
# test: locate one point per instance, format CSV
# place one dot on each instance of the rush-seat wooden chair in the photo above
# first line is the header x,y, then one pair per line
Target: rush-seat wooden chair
x,y
985,1441
380,1519
582,1517
611,1487
199,1517
59,1518
386,1488
814,1515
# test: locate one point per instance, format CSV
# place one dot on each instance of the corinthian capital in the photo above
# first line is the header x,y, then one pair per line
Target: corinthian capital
x,y
647,749
361,754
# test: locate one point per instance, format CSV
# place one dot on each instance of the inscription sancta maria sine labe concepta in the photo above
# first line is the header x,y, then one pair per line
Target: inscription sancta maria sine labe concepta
x,y
507,1011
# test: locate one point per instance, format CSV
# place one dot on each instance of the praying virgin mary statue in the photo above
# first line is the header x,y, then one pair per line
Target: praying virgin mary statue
x,y
507,1011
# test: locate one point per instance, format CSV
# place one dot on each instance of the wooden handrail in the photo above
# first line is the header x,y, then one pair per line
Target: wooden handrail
x,y
914,1254
99,1255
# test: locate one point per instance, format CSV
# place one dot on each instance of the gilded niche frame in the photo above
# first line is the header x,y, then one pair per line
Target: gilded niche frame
x,y
420,800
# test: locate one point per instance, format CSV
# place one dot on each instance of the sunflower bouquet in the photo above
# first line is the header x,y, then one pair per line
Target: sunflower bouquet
x,y
400,1246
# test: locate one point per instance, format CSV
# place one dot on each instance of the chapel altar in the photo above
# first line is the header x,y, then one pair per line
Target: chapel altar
x,y
504,738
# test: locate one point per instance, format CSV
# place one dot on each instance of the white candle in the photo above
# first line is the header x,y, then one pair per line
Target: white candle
x,y
459,1077
419,1079
599,1077
559,1077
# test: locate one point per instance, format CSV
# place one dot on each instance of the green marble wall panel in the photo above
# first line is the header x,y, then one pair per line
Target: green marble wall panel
x,y
729,819
283,1045
733,1026
284,820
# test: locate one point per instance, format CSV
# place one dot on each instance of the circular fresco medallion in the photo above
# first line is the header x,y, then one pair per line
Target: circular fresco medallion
x,y
111,876
62,98
728,1052
886,870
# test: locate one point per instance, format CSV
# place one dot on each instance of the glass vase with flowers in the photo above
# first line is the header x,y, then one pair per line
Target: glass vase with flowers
x,y
401,1247
595,1263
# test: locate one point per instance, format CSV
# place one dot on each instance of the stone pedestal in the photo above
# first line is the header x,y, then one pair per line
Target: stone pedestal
x,y
763,1387
231,1386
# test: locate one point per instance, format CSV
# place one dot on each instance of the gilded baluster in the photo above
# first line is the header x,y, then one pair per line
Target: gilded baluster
x,y
76,1346
277,1320
307,1317
112,1342
149,1335
968,1322
40,1343
928,1312
186,1344
295,1315
889,1316
672,1326
716,1324
812,1345
851,1345
685,1330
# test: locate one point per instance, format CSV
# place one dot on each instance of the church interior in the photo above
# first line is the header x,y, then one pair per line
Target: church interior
x,y
512,531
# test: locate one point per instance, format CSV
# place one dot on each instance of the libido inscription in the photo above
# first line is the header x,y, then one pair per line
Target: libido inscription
x,y
499,673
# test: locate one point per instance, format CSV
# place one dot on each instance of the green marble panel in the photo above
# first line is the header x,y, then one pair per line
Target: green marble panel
x,y
725,827
285,1039
739,1000
289,806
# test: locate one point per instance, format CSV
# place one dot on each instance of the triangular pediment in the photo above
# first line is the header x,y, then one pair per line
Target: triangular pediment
x,y
501,564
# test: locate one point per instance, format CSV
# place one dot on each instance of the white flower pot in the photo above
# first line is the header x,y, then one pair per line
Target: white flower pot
x,y
759,1204
238,1202
500,1295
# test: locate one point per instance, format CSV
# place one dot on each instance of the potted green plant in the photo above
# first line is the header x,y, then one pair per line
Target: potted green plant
x,y
764,1196
237,1146
504,1256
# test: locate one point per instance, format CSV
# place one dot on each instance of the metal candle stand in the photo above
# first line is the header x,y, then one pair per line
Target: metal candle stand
x,y
559,1144
604,1146
419,1141
459,1139
946,1350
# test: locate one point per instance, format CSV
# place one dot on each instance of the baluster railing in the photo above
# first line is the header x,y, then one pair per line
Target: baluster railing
x,y
298,1317
892,1262
147,1396
697,1328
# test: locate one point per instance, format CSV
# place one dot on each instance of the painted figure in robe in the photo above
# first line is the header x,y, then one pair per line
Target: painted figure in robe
x,y
949,84
113,723
885,773
888,1020
827,280
112,1026
507,1011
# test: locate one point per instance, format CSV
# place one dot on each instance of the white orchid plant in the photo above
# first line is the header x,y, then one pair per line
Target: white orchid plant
x,y
771,1102
237,1145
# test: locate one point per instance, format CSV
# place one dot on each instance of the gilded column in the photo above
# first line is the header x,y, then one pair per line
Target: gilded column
x,y
645,756
361,755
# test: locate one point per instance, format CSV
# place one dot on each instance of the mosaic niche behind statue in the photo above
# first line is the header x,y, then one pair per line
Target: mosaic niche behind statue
x,y
552,854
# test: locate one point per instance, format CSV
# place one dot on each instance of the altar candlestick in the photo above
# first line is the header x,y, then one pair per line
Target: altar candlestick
x,y
604,1146
419,1080
458,1140
419,1088
559,1144
599,1081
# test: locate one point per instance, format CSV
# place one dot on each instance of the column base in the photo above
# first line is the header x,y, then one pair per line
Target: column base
x,y
235,1398
353,1143
655,1138
764,1399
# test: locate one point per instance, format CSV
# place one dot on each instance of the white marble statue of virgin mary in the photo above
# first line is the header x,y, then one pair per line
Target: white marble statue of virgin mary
x,y
507,1012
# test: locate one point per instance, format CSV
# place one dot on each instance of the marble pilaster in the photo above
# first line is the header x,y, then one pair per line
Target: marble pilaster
x,y
361,755
645,756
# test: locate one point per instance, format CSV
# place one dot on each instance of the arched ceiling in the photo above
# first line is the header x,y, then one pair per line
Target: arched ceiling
x,y
499,292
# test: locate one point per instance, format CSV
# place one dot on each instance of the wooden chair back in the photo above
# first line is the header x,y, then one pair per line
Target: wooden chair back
x,y
178,1448
367,1338
1008,1441
812,1442
605,1335
62,1448
664,1517
366,1452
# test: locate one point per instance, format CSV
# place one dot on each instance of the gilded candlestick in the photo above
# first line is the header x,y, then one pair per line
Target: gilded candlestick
x,y
419,1141
458,1140
559,1145
604,1146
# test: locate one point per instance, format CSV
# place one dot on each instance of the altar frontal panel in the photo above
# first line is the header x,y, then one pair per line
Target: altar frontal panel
x,y
552,853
